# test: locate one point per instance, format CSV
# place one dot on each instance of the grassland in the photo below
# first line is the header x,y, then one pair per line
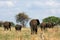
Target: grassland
x,y
24,34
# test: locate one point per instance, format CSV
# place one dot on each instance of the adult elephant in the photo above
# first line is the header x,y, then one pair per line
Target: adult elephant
x,y
50,25
7,26
43,26
18,27
33,25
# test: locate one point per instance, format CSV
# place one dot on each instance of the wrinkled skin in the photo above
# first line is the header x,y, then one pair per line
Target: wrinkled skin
x,y
7,26
33,25
18,27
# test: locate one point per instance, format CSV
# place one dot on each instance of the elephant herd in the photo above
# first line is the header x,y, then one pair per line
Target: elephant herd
x,y
34,24
7,26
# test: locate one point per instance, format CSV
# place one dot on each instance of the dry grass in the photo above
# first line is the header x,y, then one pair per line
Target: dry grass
x,y
51,34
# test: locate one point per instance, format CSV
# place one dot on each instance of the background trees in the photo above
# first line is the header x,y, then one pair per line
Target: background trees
x,y
22,18
52,19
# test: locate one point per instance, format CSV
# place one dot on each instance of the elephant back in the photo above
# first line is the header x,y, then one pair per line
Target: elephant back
x,y
6,23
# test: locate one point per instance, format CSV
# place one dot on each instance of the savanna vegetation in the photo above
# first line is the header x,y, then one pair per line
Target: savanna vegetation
x,y
25,33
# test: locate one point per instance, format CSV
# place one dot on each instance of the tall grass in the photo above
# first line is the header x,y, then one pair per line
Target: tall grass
x,y
24,34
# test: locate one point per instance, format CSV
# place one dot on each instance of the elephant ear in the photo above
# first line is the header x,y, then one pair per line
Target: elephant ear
x,y
10,23
38,22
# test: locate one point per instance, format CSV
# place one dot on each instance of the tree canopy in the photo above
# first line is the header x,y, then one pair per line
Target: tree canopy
x,y
52,19
22,18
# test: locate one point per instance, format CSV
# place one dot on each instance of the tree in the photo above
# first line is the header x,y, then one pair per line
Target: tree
x,y
52,19
22,18
59,22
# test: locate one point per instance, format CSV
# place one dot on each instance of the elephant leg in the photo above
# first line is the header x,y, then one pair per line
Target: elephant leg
x,y
32,30
35,30
10,29
4,28
41,28
45,29
7,28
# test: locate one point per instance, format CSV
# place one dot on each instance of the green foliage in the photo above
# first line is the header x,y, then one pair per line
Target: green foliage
x,y
52,19
22,18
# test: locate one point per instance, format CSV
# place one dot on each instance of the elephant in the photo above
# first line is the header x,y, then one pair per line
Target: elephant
x,y
33,25
43,26
50,25
7,25
18,27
